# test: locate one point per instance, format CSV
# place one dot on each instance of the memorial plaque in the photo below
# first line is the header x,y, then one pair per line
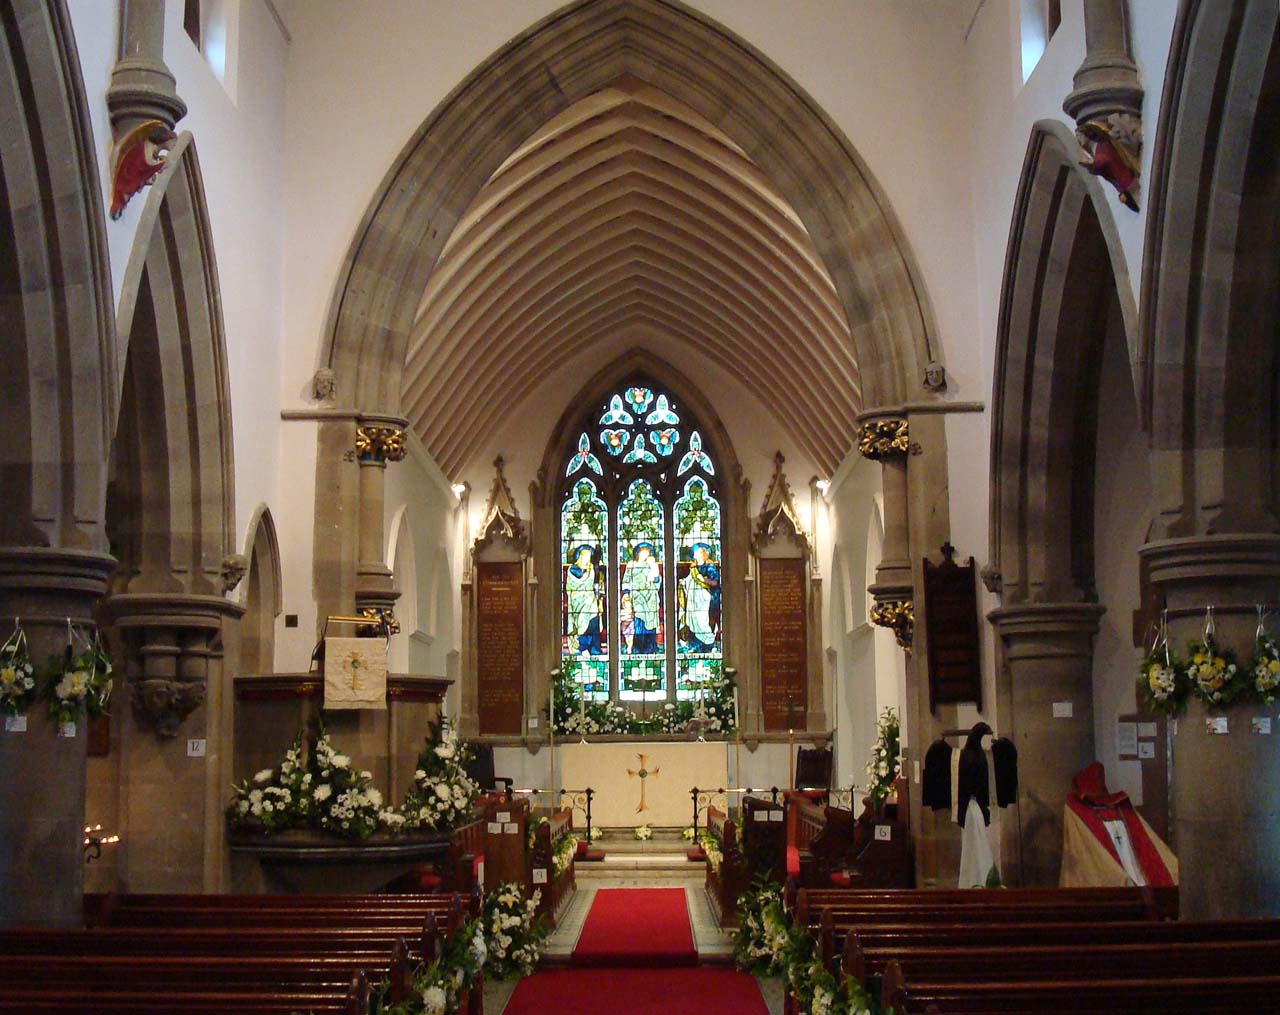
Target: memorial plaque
x,y
783,643
951,609
500,646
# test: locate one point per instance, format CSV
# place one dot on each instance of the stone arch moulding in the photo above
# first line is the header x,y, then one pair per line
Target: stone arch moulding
x,y
1207,355
565,57
172,493
261,593
1063,251
1065,290
56,328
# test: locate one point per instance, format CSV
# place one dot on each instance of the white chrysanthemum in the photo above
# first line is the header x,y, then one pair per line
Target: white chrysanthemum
x,y
323,792
263,776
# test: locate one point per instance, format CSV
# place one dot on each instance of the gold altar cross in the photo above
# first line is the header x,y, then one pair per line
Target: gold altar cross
x,y
643,773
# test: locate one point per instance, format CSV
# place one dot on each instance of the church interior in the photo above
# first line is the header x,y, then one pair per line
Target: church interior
x,y
726,506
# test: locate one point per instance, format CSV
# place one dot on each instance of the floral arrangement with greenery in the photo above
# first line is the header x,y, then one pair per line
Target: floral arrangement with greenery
x,y
1215,675
442,795
17,674
438,985
596,833
1163,685
315,787
757,937
575,716
513,934
1265,669
712,848
885,761
643,832
562,851
79,684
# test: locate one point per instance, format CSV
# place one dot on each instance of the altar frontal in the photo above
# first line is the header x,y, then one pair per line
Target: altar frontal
x,y
641,783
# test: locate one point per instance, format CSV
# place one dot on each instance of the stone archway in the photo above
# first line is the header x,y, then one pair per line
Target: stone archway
x,y
170,511
1065,287
569,55
56,330
263,594
1210,372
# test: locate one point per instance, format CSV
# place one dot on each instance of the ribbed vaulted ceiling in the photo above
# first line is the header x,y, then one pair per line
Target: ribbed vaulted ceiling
x,y
628,215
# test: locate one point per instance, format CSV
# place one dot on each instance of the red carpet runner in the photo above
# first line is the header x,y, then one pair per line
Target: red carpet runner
x,y
637,927
706,990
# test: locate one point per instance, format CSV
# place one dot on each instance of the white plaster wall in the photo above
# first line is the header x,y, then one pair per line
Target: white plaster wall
x,y
239,145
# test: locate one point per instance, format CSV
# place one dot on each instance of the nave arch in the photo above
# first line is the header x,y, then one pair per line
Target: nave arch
x,y
262,594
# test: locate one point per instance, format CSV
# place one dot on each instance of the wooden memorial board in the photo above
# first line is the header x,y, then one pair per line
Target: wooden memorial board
x,y
500,646
951,611
784,641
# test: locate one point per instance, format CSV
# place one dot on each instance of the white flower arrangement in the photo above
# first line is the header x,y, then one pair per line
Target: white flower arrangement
x,y
513,933
17,674
81,685
562,857
597,833
885,761
442,795
643,833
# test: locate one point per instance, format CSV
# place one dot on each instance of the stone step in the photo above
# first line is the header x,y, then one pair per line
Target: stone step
x,y
658,864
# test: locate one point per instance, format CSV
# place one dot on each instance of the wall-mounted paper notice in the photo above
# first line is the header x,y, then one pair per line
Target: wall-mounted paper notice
x,y
1216,724
1126,738
495,827
1146,750
504,816
511,828
15,724
1063,710
1147,729
1260,724
884,832
539,875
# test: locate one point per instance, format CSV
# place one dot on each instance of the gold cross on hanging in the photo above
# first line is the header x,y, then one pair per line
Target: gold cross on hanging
x,y
643,773
356,663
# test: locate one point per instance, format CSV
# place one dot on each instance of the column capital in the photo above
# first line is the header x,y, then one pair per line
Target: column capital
x,y
379,443
898,615
1043,629
885,437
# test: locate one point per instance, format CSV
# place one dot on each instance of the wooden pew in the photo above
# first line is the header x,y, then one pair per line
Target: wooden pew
x,y
729,880
834,845
763,840
1133,995
269,955
556,889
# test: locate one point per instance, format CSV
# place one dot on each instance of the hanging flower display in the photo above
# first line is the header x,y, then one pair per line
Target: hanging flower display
x,y
1216,677
1265,667
17,674
80,684
1163,685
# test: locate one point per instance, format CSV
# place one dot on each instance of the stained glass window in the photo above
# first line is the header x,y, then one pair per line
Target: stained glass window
x,y
584,585
641,543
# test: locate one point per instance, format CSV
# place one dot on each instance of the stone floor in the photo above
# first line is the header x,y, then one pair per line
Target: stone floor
x,y
648,868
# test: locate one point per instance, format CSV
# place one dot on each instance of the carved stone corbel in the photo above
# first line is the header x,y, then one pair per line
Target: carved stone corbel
x,y
898,615
887,437
376,443
234,566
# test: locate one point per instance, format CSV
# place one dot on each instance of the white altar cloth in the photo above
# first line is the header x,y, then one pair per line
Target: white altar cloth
x,y
670,770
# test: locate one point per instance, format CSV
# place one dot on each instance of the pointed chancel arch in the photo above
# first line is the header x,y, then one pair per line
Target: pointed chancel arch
x,y
1065,296
172,477
55,291
571,55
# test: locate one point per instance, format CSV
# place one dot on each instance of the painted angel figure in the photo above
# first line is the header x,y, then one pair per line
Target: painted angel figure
x,y
583,592
701,589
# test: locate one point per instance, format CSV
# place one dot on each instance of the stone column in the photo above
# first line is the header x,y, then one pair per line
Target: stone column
x,y
1046,650
377,443
142,86
1226,788
42,788
172,791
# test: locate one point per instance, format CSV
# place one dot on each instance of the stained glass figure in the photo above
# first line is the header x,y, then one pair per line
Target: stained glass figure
x,y
664,441
639,398
663,414
641,553
583,520
695,457
639,453
699,643
616,415
615,441
584,457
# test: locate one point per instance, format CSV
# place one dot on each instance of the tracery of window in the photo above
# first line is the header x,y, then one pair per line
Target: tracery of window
x,y
640,543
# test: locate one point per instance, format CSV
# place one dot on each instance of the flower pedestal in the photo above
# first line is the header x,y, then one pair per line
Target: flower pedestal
x,y
310,862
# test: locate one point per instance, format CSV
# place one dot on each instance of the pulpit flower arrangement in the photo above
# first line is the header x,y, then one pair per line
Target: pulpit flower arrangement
x,y
513,933
442,794
80,684
885,761
312,789
17,674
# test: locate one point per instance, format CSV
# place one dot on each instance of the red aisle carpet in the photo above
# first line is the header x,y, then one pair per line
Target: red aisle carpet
x,y
705,990
637,927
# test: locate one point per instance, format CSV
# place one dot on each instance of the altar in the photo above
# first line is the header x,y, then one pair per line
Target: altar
x,y
643,782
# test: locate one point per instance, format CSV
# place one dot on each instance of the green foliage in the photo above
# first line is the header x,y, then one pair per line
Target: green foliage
x,y
584,513
640,517
885,761
442,793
